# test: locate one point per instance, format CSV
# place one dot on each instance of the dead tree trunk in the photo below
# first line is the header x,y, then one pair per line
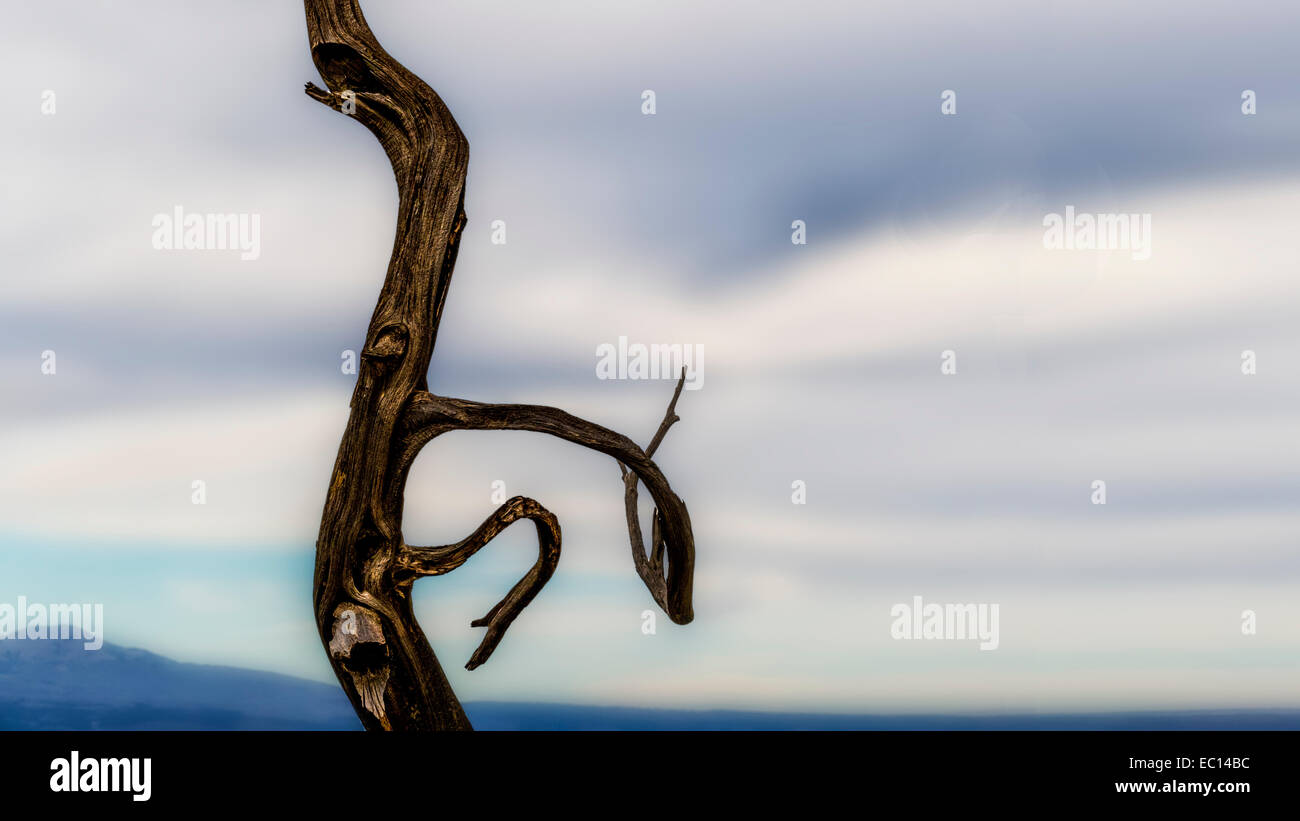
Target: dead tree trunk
x,y
364,568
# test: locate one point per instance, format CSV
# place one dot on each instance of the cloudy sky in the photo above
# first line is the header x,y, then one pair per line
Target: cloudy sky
x,y
823,360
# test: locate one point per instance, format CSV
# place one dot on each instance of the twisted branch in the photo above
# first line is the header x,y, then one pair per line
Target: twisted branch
x,y
364,568
435,561
650,569
429,415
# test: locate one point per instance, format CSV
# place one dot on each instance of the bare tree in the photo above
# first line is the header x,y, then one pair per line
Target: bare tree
x,y
364,568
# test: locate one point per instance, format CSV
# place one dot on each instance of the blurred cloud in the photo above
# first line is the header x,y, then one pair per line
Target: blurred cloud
x,y
822,362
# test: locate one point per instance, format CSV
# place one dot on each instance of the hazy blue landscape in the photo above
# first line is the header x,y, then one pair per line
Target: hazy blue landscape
x,y
55,685
908,386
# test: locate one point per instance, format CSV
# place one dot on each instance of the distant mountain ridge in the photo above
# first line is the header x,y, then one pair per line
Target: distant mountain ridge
x,y
56,685
59,685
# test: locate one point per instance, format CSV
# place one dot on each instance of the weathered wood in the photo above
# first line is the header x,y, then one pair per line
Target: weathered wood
x,y
364,568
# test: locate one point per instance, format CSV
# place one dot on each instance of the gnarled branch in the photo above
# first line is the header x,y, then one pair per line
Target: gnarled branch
x,y
364,568
650,568
435,561
430,415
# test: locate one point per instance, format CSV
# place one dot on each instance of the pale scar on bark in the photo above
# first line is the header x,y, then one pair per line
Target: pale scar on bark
x,y
357,644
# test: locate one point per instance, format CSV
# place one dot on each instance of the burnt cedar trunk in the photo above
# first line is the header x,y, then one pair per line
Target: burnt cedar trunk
x,y
364,568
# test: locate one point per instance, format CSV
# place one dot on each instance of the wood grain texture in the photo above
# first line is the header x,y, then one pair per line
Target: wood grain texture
x,y
364,568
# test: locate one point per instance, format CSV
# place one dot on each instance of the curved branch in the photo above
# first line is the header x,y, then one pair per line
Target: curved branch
x,y
362,564
414,562
407,117
650,568
429,415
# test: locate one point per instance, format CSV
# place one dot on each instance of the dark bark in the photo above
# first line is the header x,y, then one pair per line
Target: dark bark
x,y
364,568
